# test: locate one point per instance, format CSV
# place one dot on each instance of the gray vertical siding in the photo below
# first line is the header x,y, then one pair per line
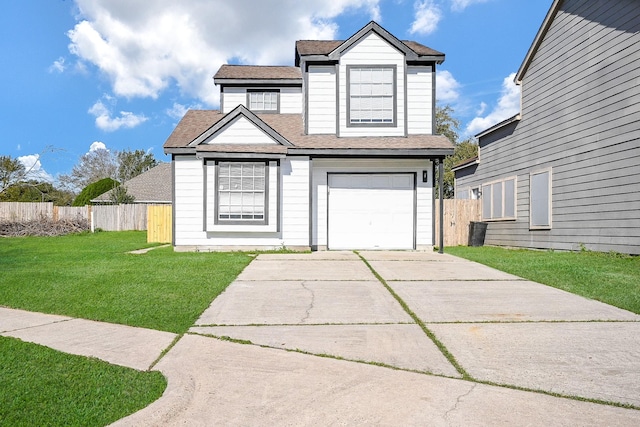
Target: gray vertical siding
x,y
581,117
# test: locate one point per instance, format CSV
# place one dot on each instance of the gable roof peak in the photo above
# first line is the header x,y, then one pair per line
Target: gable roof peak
x,y
231,117
373,27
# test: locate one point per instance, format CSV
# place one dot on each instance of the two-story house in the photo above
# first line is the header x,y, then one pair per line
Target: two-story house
x,y
335,152
565,172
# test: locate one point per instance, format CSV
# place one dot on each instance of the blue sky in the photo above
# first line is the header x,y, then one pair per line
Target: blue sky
x,y
120,73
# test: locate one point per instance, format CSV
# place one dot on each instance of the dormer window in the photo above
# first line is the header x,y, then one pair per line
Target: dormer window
x,y
263,100
371,95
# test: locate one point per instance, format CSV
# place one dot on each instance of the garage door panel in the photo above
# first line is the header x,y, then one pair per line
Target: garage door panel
x,y
371,211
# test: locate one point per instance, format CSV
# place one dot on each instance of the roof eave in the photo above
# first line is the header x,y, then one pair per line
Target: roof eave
x,y
497,126
373,152
249,82
537,41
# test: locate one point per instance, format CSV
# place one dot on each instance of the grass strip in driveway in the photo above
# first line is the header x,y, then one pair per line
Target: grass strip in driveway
x,y
40,386
92,276
420,323
607,277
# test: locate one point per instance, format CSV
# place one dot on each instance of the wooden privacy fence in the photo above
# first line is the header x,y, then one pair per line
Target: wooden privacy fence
x,y
104,217
159,223
32,211
458,214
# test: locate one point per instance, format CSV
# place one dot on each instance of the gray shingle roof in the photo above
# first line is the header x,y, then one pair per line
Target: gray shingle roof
x,y
258,72
324,47
290,126
152,186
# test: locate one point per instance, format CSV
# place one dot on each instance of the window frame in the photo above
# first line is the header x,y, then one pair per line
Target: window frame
x,y
394,96
264,91
548,226
489,189
265,195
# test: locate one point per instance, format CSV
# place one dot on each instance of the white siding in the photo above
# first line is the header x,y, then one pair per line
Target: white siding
x,y
295,201
189,212
232,97
373,50
241,131
419,100
291,100
189,202
424,193
322,100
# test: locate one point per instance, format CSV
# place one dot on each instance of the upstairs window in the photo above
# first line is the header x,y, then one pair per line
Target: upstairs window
x,y
371,95
242,192
264,101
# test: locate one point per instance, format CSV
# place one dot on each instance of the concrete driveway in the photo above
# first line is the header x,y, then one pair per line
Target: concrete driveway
x,y
406,338
381,367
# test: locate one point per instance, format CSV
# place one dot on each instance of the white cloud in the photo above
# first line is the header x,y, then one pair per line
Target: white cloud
x,y
144,47
447,87
97,145
106,122
508,105
460,5
427,17
34,168
58,66
177,111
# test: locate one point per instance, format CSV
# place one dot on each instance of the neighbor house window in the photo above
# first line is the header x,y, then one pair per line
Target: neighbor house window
x,y
242,192
263,100
371,95
540,200
499,200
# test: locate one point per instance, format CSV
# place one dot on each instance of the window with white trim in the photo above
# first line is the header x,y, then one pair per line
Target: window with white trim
x,y
371,95
499,200
266,101
540,200
241,192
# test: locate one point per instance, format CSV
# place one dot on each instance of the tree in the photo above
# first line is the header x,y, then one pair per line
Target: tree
x,y
133,163
449,126
92,167
36,191
12,171
102,163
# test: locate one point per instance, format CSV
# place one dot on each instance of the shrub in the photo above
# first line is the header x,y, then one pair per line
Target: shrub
x,y
93,190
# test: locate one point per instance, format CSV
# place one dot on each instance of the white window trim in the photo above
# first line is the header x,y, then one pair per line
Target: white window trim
x,y
265,196
263,91
515,198
550,201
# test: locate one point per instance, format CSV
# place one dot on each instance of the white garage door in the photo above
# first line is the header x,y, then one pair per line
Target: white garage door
x,y
371,211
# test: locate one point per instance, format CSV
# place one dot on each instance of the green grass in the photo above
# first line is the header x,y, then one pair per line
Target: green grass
x,y
607,277
92,276
44,387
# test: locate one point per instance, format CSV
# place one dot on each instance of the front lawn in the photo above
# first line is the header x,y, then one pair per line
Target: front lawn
x,y
607,277
91,276
44,387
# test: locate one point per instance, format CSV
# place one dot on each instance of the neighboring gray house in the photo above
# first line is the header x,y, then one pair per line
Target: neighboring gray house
x,y
152,186
335,152
565,172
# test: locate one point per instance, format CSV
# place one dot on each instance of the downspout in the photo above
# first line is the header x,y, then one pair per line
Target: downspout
x,y
441,213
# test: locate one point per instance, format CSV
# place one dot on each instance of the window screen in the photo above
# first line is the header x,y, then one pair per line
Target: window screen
x,y
499,199
263,101
540,199
241,191
371,95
